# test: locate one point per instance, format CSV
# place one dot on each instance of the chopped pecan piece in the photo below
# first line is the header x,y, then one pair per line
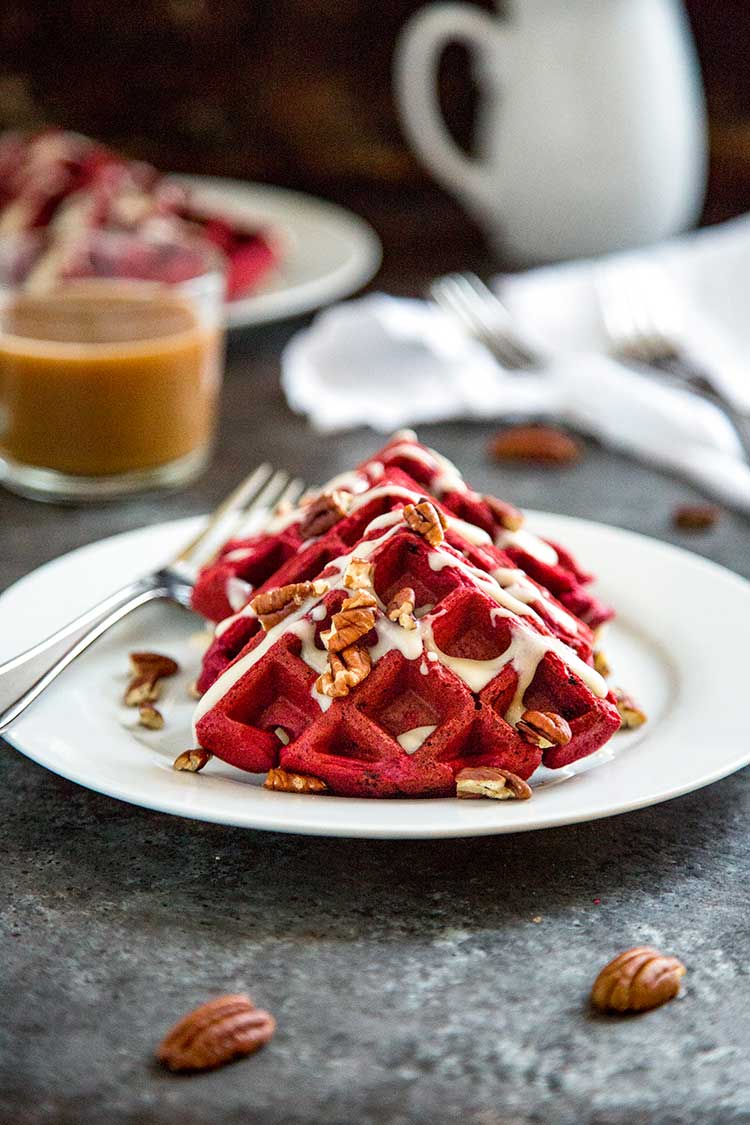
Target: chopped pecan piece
x,y
355,618
427,520
504,514
273,606
488,781
637,980
224,1029
288,782
543,445
147,669
544,729
192,760
401,608
358,575
346,669
696,517
630,713
142,690
601,664
149,717
154,664
323,512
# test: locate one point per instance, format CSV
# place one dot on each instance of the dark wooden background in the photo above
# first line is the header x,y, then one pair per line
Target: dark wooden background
x,y
297,92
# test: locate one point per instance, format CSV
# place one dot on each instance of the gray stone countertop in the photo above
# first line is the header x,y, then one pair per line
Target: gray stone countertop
x,y
412,981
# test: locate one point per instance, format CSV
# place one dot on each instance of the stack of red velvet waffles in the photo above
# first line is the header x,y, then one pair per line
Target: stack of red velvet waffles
x,y
66,185
396,629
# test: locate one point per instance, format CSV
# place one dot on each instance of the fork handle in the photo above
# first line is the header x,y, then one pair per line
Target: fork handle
x,y
696,381
25,677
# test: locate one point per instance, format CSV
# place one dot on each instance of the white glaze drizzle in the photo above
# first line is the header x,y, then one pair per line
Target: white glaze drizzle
x,y
237,592
238,554
526,650
411,740
530,544
516,583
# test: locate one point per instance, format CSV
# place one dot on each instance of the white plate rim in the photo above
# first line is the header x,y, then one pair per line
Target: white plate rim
x,y
283,208
291,813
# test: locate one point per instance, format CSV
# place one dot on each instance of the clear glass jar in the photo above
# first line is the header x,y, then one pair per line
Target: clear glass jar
x,y
111,359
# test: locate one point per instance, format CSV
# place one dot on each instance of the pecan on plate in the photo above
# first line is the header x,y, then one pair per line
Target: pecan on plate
x,y
149,717
273,606
504,514
401,608
146,670
287,782
542,445
637,980
355,618
427,520
346,669
488,781
544,729
358,574
323,512
216,1033
631,715
191,761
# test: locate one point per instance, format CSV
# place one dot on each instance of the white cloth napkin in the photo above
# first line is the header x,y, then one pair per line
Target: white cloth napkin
x,y
389,362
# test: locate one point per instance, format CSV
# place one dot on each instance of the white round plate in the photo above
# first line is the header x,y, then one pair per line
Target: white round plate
x,y
326,252
678,645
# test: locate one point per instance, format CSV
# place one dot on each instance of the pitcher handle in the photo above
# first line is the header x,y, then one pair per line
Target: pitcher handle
x,y
416,64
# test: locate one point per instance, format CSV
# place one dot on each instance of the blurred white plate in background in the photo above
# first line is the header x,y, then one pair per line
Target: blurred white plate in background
x,y
327,252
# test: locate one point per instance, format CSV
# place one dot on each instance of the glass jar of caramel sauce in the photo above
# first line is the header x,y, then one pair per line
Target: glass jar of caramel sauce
x,y
109,384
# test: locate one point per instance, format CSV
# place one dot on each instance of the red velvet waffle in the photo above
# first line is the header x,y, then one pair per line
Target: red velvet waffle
x,y
446,692
408,465
67,184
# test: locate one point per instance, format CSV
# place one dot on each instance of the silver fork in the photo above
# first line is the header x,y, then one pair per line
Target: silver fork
x,y
643,323
25,677
484,316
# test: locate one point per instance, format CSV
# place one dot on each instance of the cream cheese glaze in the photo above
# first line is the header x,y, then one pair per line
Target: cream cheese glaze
x,y
527,648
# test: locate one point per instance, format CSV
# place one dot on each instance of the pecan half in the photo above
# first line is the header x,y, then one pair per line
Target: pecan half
x,y
544,729
216,1033
543,445
401,608
288,782
695,517
149,717
273,606
504,514
192,760
346,669
147,669
427,520
323,512
355,618
637,980
358,575
631,715
488,781
601,664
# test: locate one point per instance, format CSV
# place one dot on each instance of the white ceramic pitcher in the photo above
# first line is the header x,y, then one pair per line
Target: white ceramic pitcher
x,y
591,133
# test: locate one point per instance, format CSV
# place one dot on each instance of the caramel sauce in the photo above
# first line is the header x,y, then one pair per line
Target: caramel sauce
x,y
105,377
